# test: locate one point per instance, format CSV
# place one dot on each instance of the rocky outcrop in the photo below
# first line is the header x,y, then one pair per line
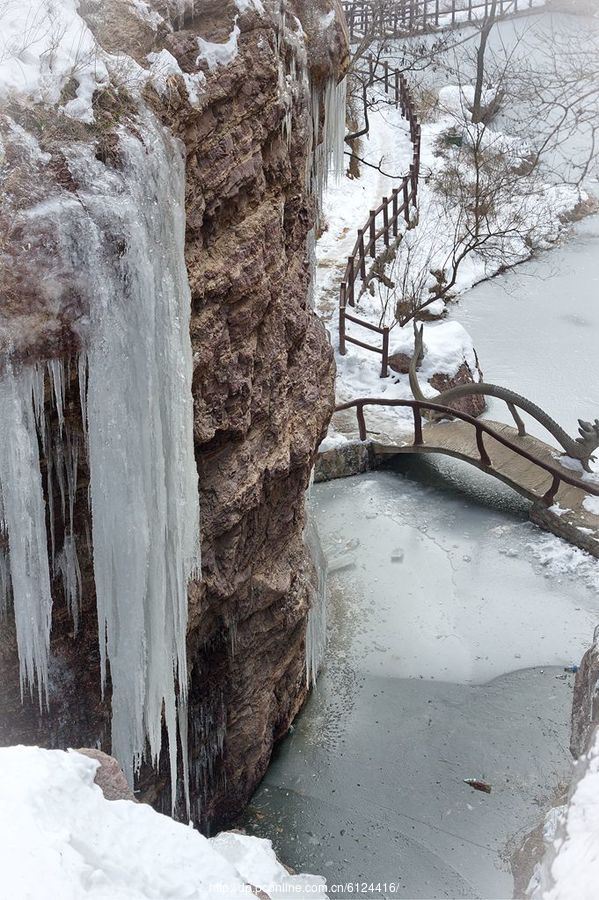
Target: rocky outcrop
x,y
585,701
262,386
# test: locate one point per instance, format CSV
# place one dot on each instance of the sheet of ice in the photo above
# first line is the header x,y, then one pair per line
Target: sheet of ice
x,y
543,313
452,609
60,838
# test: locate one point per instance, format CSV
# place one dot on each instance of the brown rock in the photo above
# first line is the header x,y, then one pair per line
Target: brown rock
x,y
400,363
585,700
473,404
109,776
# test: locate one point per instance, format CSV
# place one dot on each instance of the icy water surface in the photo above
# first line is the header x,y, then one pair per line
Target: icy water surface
x,y
545,336
448,640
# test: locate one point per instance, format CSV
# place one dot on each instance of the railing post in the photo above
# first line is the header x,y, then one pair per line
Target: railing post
x,y
549,497
372,234
342,347
370,67
469,10
362,254
453,13
417,425
406,200
385,363
437,13
351,279
414,182
361,421
386,221
396,88
484,456
395,208
386,76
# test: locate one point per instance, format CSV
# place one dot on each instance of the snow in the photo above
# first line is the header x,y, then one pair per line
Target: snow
x,y
164,65
223,54
59,837
571,865
591,504
427,247
43,44
246,5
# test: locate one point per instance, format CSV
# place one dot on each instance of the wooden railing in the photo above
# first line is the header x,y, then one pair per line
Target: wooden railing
x,y
382,226
481,428
397,18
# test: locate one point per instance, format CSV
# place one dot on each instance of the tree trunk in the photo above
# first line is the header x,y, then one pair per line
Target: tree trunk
x,y
488,22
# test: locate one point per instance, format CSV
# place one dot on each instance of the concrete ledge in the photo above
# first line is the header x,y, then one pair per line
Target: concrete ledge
x,y
351,458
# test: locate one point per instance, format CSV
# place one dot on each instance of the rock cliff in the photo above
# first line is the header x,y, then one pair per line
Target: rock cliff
x,y
262,366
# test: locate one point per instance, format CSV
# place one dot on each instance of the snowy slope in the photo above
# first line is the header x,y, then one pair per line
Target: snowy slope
x,y
60,838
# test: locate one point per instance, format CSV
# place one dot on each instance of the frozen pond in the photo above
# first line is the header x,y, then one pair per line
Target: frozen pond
x,y
544,342
450,629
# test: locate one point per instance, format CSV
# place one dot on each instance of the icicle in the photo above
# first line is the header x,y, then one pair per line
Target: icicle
x,y
56,370
25,522
82,378
67,565
4,580
316,629
143,476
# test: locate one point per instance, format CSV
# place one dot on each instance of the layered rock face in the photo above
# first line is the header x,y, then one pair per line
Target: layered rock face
x,y
262,379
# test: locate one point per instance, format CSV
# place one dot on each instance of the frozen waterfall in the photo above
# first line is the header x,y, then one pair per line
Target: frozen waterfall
x,y
125,231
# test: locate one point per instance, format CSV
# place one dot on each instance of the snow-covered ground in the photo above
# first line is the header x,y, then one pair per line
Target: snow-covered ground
x,y
532,215
61,839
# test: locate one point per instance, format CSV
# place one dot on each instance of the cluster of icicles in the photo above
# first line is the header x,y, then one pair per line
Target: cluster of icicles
x,y
126,232
136,407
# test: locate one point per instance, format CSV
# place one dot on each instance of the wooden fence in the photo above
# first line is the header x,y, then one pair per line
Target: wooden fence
x,y
397,18
382,225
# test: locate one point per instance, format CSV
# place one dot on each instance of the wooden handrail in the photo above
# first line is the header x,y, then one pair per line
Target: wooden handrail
x,y
481,428
395,83
401,17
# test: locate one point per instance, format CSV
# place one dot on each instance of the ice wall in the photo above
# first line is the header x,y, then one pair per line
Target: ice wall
x,y
123,238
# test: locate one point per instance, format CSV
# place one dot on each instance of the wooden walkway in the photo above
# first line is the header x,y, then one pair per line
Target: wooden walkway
x,y
528,465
